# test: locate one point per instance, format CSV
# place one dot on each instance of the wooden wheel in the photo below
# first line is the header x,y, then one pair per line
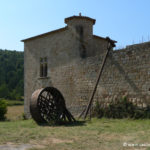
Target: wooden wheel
x,y
48,105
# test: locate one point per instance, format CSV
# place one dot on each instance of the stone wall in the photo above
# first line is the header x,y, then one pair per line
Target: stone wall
x,y
127,71
66,68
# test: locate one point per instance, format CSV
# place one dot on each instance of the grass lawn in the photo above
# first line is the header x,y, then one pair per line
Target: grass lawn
x,y
15,112
97,134
14,102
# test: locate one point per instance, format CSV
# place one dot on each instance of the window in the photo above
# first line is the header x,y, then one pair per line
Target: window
x,y
43,67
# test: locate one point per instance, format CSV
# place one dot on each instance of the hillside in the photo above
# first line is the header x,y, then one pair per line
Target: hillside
x,y
11,74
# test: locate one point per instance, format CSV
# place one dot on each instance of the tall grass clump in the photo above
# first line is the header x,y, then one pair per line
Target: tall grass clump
x,y
122,108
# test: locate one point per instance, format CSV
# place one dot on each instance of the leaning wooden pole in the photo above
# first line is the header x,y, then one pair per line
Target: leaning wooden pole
x,y
109,47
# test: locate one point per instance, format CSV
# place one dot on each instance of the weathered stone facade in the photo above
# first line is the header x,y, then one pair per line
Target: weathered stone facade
x,y
74,58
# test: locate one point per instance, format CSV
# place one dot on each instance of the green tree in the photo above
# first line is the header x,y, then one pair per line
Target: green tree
x,y
4,92
11,74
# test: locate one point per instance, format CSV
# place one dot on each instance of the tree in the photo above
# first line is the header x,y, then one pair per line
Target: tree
x,y
4,92
11,74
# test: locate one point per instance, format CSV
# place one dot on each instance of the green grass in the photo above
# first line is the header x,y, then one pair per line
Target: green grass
x,y
14,102
96,134
104,133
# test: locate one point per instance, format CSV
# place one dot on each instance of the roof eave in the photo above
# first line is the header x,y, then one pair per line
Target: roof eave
x,y
103,38
44,34
82,17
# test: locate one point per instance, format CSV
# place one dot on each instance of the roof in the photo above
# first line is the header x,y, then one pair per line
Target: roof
x,y
64,28
80,17
99,37
47,33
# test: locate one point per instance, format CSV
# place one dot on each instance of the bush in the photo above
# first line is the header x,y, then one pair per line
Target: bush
x,y
121,109
97,111
3,109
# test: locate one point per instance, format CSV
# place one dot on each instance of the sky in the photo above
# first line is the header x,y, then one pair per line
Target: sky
x,y
126,21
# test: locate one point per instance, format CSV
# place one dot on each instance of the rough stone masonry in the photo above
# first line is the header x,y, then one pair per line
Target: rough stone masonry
x,y
73,56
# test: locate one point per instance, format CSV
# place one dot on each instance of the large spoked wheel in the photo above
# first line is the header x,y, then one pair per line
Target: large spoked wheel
x,y
48,105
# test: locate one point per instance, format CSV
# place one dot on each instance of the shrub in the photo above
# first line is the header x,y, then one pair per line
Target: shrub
x,y
121,109
97,111
3,109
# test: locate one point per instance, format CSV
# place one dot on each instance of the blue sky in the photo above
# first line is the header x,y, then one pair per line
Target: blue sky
x,y
126,21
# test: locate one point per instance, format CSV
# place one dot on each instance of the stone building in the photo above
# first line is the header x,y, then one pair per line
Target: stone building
x,y
69,59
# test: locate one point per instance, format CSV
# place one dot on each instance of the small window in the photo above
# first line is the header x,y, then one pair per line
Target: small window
x,y
43,67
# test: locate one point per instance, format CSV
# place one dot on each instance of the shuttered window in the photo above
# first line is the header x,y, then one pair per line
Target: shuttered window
x,y
43,67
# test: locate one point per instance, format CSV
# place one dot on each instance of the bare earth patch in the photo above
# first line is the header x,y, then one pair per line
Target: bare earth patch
x,y
12,146
15,112
42,144
33,144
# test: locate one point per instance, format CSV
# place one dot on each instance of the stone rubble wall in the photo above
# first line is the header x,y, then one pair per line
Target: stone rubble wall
x,y
126,73
67,71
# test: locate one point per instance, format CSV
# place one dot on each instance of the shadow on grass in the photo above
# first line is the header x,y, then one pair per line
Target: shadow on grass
x,y
65,124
